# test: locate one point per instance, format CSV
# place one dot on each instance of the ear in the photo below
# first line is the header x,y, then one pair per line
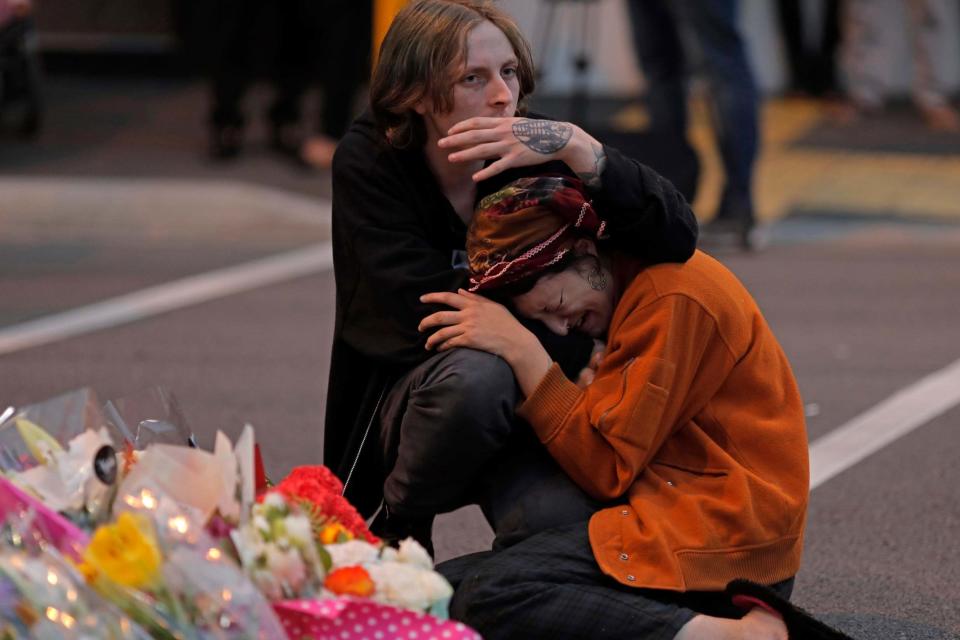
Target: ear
x,y
584,246
422,107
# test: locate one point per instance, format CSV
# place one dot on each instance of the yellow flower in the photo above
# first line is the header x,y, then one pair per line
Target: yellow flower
x,y
126,551
335,532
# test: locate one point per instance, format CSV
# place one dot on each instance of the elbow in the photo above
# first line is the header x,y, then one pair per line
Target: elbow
x,y
609,484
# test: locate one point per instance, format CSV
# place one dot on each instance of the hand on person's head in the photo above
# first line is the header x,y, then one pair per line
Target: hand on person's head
x,y
511,142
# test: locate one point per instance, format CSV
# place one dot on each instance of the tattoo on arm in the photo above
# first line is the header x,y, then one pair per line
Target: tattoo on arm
x,y
592,178
542,136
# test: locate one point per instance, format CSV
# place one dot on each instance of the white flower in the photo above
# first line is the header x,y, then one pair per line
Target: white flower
x,y
275,500
408,586
351,553
287,567
260,524
411,552
298,529
388,554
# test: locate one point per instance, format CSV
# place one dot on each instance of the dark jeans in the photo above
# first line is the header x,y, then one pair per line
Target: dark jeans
x,y
549,586
449,438
670,35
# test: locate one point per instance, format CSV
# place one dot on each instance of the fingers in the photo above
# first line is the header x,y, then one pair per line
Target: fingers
x,y
441,339
493,169
480,152
595,360
444,297
470,138
439,319
475,123
586,377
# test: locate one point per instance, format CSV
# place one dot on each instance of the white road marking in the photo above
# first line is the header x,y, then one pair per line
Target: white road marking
x,y
175,196
893,418
167,297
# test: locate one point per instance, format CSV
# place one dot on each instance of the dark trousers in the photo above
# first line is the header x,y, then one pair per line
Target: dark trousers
x,y
549,586
449,437
260,38
812,65
671,35
295,44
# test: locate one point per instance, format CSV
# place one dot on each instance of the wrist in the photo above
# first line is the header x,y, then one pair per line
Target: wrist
x,y
586,157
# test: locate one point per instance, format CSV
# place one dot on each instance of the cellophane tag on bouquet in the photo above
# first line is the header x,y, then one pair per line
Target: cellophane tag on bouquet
x,y
148,417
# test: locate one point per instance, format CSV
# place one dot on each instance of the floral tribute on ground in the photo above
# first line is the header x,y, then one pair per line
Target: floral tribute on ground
x,y
115,525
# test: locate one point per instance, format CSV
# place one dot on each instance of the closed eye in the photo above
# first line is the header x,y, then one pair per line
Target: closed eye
x,y
559,304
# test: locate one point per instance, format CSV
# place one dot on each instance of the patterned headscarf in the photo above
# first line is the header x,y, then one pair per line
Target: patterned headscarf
x,y
526,227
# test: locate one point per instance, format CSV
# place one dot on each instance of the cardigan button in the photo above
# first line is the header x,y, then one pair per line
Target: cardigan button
x,y
624,556
670,482
631,578
624,513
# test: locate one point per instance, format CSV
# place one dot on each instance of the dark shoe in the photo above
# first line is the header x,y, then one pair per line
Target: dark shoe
x,y
729,233
393,529
226,142
800,624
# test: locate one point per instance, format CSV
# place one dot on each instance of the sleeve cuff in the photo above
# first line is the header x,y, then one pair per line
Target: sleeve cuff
x,y
548,406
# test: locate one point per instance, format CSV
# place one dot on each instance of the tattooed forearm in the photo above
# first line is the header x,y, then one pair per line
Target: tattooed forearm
x,y
542,136
592,178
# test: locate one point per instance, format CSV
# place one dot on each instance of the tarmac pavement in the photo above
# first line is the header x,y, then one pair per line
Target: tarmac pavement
x,y
116,197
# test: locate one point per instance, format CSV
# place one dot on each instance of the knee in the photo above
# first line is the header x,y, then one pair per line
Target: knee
x,y
476,381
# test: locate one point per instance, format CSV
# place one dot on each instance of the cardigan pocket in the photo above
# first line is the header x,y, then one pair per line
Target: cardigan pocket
x,y
637,417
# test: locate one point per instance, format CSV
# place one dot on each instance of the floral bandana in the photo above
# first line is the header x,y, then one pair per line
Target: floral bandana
x,y
526,227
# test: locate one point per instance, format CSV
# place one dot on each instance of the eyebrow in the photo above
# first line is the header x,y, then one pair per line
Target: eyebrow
x,y
477,68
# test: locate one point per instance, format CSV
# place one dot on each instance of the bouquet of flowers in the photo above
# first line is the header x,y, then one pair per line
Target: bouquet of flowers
x,y
306,540
157,563
177,542
42,595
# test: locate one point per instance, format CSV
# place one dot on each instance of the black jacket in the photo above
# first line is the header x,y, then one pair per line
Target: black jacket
x,y
396,237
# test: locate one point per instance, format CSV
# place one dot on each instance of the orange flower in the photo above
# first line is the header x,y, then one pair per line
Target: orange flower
x,y
350,581
335,532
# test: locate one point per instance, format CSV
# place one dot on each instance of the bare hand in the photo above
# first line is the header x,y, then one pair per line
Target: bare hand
x,y
519,142
475,322
479,323
589,372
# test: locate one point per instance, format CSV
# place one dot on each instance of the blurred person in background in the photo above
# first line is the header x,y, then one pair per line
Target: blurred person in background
x,y
20,83
671,36
811,53
343,61
868,25
245,33
415,433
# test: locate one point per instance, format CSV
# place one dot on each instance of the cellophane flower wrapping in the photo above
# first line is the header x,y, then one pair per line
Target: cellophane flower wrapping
x,y
196,591
176,542
42,593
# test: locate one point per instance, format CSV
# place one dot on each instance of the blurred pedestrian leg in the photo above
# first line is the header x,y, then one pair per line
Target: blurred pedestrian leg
x,y
676,39
869,29
343,65
254,39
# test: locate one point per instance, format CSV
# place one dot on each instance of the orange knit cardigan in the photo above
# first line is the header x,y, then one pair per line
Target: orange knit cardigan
x,y
694,425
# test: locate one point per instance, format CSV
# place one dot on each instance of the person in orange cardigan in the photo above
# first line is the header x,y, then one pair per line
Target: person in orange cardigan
x,y
690,429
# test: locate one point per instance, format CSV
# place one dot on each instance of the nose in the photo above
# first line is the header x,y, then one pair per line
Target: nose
x,y
559,326
499,92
